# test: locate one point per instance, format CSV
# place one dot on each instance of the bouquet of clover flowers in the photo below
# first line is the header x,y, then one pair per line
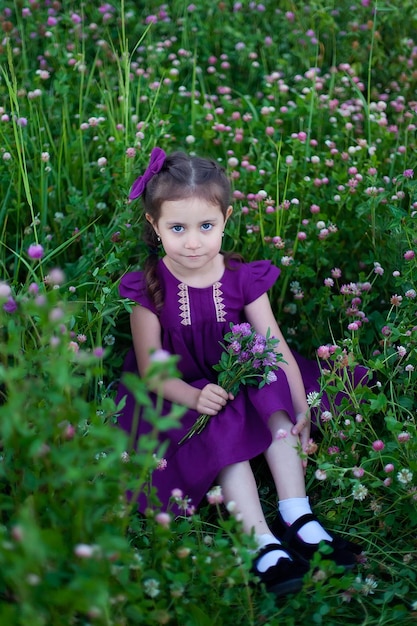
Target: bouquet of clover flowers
x,y
248,359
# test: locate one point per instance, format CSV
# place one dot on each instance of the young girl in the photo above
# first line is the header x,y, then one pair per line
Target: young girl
x,y
186,302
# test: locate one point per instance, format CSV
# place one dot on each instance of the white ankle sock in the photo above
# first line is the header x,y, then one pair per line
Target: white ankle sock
x,y
271,558
294,508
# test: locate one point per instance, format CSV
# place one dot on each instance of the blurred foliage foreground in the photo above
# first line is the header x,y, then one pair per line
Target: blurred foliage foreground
x,y
311,108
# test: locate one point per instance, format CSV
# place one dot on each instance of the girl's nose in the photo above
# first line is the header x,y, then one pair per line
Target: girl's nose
x,y
192,242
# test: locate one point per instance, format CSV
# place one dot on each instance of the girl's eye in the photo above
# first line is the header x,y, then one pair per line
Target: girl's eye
x,y
206,226
177,228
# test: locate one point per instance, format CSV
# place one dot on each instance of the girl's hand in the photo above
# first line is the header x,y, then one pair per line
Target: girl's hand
x,y
302,429
211,399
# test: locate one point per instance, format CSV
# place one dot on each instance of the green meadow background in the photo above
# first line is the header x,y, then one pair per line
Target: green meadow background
x,y
312,110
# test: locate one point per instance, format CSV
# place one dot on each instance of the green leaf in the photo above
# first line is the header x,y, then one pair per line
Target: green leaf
x,y
199,617
224,360
379,403
406,402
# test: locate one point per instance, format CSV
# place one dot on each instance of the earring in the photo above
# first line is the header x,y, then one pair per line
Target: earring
x,y
223,234
158,238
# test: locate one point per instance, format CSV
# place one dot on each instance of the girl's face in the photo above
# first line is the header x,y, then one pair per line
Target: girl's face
x,y
191,231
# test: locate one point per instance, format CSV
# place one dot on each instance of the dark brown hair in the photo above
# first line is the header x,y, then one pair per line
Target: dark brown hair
x,y
182,176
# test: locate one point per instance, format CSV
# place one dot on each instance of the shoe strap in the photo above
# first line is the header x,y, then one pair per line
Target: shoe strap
x,y
270,547
274,569
292,530
340,542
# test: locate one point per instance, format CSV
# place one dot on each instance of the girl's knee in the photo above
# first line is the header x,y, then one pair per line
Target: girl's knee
x,y
279,419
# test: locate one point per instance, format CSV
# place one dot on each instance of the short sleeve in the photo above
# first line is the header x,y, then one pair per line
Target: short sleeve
x,y
261,275
133,287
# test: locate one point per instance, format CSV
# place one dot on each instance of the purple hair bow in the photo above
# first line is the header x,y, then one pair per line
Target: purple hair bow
x,y
155,165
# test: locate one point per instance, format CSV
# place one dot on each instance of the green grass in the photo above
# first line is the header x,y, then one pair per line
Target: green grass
x,y
311,103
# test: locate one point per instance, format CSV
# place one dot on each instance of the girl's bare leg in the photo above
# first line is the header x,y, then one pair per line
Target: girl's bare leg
x,y
288,474
283,459
239,486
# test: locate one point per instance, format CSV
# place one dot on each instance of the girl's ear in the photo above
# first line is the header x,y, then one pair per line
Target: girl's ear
x,y
152,223
229,212
150,219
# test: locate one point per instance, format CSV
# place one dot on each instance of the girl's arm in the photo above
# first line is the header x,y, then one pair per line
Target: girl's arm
x,y
146,334
259,314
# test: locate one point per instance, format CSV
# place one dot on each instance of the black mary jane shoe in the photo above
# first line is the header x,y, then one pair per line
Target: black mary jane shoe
x,y
284,577
343,553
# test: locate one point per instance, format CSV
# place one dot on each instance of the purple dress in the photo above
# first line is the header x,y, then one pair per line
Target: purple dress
x,y
193,322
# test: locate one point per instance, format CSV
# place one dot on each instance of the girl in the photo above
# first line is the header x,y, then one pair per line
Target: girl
x,y
186,302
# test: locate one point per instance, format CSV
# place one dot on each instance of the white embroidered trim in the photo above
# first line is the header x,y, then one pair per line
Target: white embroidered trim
x,y
184,304
218,302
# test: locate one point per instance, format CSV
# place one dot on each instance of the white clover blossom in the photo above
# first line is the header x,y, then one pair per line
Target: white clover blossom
x,y
281,434
151,587
163,519
161,464
359,492
320,474
160,356
368,585
215,495
137,561
271,378
326,416
5,290
401,351
313,399
405,476
109,340
33,580
84,550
